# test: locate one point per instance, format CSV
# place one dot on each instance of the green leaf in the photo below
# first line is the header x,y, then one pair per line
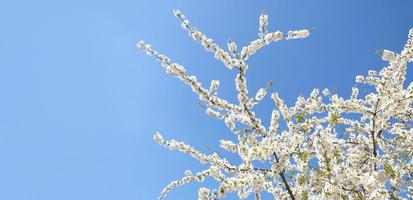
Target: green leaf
x,y
334,119
400,139
301,180
299,117
304,195
388,169
269,84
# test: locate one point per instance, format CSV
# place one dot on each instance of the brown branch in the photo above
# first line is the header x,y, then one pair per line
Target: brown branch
x,y
248,112
373,132
256,125
374,143
257,196
287,186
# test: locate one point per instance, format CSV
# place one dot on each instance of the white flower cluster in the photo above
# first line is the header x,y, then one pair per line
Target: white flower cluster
x,y
204,193
263,24
228,145
387,55
330,147
259,96
232,47
273,37
214,87
298,34
213,113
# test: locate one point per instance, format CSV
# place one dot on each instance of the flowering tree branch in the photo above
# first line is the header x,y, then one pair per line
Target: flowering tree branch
x,y
359,147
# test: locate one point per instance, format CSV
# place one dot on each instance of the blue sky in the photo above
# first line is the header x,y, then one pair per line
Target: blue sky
x,y
79,103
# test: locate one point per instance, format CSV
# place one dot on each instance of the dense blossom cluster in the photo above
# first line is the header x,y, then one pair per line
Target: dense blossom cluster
x,y
330,147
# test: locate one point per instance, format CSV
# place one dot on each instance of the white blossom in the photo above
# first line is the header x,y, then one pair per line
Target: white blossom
x,y
188,173
387,55
203,193
359,79
175,69
228,145
297,34
314,93
263,24
273,37
158,138
232,47
213,113
260,94
326,92
214,86
354,93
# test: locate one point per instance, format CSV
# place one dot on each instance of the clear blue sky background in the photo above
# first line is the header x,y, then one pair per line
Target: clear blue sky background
x,y
79,103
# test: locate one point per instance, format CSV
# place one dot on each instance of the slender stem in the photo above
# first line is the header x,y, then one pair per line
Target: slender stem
x,y
287,186
248,112
257,196
373,132
374,143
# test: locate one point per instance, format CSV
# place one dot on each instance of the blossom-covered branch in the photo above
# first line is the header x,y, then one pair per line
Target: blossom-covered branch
x,y
331,147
